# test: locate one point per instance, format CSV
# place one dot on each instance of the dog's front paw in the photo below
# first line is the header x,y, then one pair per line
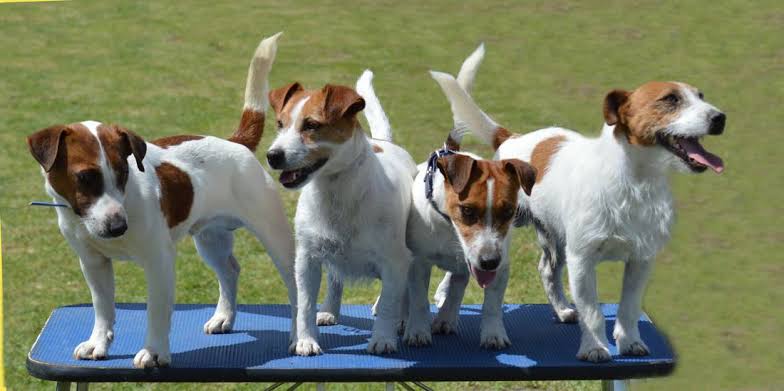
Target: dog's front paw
x,y
417,336
150,358
382,345
443,326
567,315
631,347
495,341
306,347
493,336
594,354
219,323
326,319
93,349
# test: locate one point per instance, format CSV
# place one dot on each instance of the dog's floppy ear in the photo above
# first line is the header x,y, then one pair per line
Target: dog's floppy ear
x,y
457,170
524,172
280,96
612,106
45,144
341,102
134,143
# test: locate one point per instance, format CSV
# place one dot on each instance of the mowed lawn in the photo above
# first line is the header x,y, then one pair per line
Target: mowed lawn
x,y
179,67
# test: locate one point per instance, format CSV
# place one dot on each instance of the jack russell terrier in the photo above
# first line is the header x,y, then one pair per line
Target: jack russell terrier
x,y
130,199
605,198
356,194
463,207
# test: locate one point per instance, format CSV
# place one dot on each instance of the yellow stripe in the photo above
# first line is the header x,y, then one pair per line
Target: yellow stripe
x,y
29,1
2,356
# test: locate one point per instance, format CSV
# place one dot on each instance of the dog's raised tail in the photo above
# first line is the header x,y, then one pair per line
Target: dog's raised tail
x,y
251,125
465,111
377,120
465,78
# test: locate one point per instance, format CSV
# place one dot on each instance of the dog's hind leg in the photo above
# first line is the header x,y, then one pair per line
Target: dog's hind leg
x,y
215,247
330,310
261,209
551,266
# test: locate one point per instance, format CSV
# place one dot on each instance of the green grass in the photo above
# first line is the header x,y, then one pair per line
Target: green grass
x,y
170,68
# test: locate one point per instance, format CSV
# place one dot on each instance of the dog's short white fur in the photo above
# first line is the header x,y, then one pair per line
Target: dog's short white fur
x,y
351,216
231,190
434,241
602,199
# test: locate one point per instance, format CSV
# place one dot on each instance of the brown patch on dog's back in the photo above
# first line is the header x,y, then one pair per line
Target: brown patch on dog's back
x,y
377,148
250,130
170,141
501,135
176,193
542,154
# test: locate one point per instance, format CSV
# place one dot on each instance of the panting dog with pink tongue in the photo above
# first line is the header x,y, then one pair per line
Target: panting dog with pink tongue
x,y
605,198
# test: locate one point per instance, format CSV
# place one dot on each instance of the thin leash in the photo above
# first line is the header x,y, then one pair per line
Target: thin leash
x,y
50,204
431,170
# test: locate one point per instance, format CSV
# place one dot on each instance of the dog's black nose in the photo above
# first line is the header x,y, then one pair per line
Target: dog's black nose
x,y
276,158
489,264
717,124
117,227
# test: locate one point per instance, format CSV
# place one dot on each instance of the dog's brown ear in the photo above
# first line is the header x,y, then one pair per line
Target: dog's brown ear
x,y
524,172
280,96
135,145
612,106
45,144
457,170
341,102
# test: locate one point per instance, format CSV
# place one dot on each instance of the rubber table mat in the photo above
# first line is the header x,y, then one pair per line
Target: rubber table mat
x,y
257,349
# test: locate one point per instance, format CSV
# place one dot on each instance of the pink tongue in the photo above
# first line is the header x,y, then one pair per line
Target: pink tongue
x,y
484,278
695,151
288,176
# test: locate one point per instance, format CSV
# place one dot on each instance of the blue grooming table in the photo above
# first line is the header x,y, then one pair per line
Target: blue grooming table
x,y
257,349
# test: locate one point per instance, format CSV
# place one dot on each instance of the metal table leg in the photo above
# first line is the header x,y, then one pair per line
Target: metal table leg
x,y
82,386
616,385
63,386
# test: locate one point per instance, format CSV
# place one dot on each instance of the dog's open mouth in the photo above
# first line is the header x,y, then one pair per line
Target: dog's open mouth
x,y
691,152
293,178
483,277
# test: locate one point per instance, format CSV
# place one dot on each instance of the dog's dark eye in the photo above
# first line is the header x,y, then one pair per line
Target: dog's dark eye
x,y
90,181
310,124
505,213
280,125
672,99
87,177
701,95
468,214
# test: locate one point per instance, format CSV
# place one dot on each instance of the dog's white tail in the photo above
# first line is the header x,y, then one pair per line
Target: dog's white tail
x,y
374,113
251,125
465,78
465,110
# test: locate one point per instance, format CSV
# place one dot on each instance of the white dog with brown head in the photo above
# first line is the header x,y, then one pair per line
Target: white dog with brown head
x,y
356,193
133,200
605,198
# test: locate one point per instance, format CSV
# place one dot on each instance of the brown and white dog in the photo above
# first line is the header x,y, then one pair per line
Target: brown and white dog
x,y
463,208
605,198
133,200
356,194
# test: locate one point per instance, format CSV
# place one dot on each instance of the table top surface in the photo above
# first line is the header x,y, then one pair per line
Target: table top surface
x,y
257,349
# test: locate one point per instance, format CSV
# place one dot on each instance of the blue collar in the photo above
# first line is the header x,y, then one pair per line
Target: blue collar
x,y
431,170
